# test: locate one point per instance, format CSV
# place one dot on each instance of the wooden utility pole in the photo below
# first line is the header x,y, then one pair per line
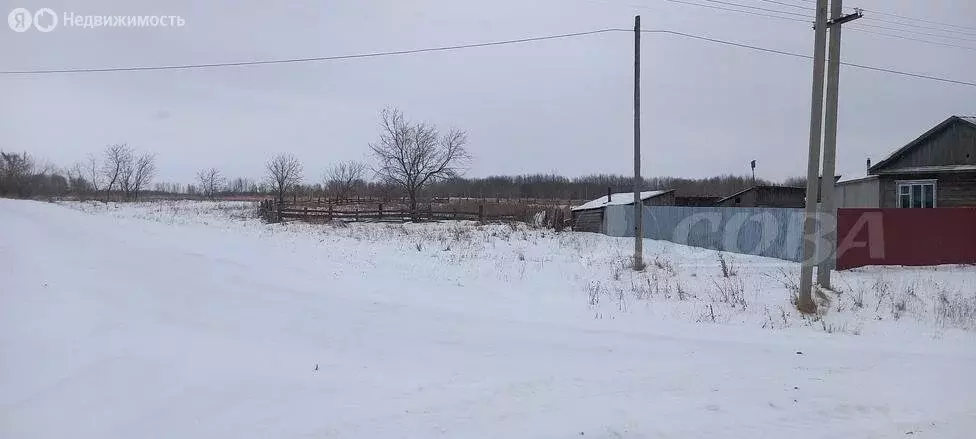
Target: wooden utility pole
x,y
805,301
638,205
828,205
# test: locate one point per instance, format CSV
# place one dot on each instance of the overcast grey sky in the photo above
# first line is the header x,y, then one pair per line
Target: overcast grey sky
x,y
560,106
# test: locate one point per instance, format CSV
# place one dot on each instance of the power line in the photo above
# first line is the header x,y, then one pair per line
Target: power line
x,y
800,55
790,4
729,43
708,6
810,18
310,59
918,26
758,8
467,46
902,37
903,17
721,8
793,17
927,34
866,25
921,20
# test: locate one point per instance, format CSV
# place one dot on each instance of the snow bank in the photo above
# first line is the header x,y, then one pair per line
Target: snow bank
x,y
188,319
681,283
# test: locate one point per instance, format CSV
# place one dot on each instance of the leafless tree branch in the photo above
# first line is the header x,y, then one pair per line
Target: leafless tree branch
x,y
343,177
284,173
118,158
414,155
211,181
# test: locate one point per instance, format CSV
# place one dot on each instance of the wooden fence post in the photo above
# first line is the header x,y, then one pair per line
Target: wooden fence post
x,y
330,212
305,214
481,213
380,206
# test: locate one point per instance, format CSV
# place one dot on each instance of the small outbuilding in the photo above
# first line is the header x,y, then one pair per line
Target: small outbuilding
x,y
766,196
589,217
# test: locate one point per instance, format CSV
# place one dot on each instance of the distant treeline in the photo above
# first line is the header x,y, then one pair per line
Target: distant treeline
x,y
123,175
531,186
546,186
592,186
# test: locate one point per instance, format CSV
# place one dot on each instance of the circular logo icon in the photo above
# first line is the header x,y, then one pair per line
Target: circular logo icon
x,y
45,20
20,19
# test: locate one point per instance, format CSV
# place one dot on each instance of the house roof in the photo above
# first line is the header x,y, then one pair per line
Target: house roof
x,y
620,198
856,180
927,169
901,151
758,187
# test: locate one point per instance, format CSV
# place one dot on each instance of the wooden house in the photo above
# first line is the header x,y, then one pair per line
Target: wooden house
x,y
938,169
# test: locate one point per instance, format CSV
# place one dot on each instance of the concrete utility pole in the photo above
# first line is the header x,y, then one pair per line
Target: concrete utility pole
x,y
828,207
805,301
638,205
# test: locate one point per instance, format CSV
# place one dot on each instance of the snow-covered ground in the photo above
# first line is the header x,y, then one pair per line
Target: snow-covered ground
x,y
196,320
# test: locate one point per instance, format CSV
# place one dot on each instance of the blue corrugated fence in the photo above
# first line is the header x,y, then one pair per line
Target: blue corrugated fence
x,y
770,232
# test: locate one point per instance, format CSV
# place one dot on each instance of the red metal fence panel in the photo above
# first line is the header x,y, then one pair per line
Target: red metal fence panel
x,y
905,237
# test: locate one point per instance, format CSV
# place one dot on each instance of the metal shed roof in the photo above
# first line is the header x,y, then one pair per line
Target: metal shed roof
x,y
617,199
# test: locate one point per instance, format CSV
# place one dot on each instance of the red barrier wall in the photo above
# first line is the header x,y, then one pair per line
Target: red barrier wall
x,y
905,237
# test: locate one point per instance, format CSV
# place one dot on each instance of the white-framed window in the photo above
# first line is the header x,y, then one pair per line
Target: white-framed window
x,y
916,193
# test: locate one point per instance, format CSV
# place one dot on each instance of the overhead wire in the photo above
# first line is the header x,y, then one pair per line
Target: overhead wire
x,y
465,46
800,55
861,27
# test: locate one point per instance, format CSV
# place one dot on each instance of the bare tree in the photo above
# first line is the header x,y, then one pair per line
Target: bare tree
x,y
413,155
341,178
284,173
210,181
126,177
118,158
77,183
135,174
145,170
91,171
241,185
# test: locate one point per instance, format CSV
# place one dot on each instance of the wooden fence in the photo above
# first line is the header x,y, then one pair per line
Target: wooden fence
x,y
273,211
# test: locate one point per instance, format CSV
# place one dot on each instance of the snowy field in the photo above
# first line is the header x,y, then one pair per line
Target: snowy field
x,y
196,320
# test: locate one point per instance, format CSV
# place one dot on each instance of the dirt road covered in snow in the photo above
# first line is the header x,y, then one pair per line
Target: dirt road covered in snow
x,y
124,322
